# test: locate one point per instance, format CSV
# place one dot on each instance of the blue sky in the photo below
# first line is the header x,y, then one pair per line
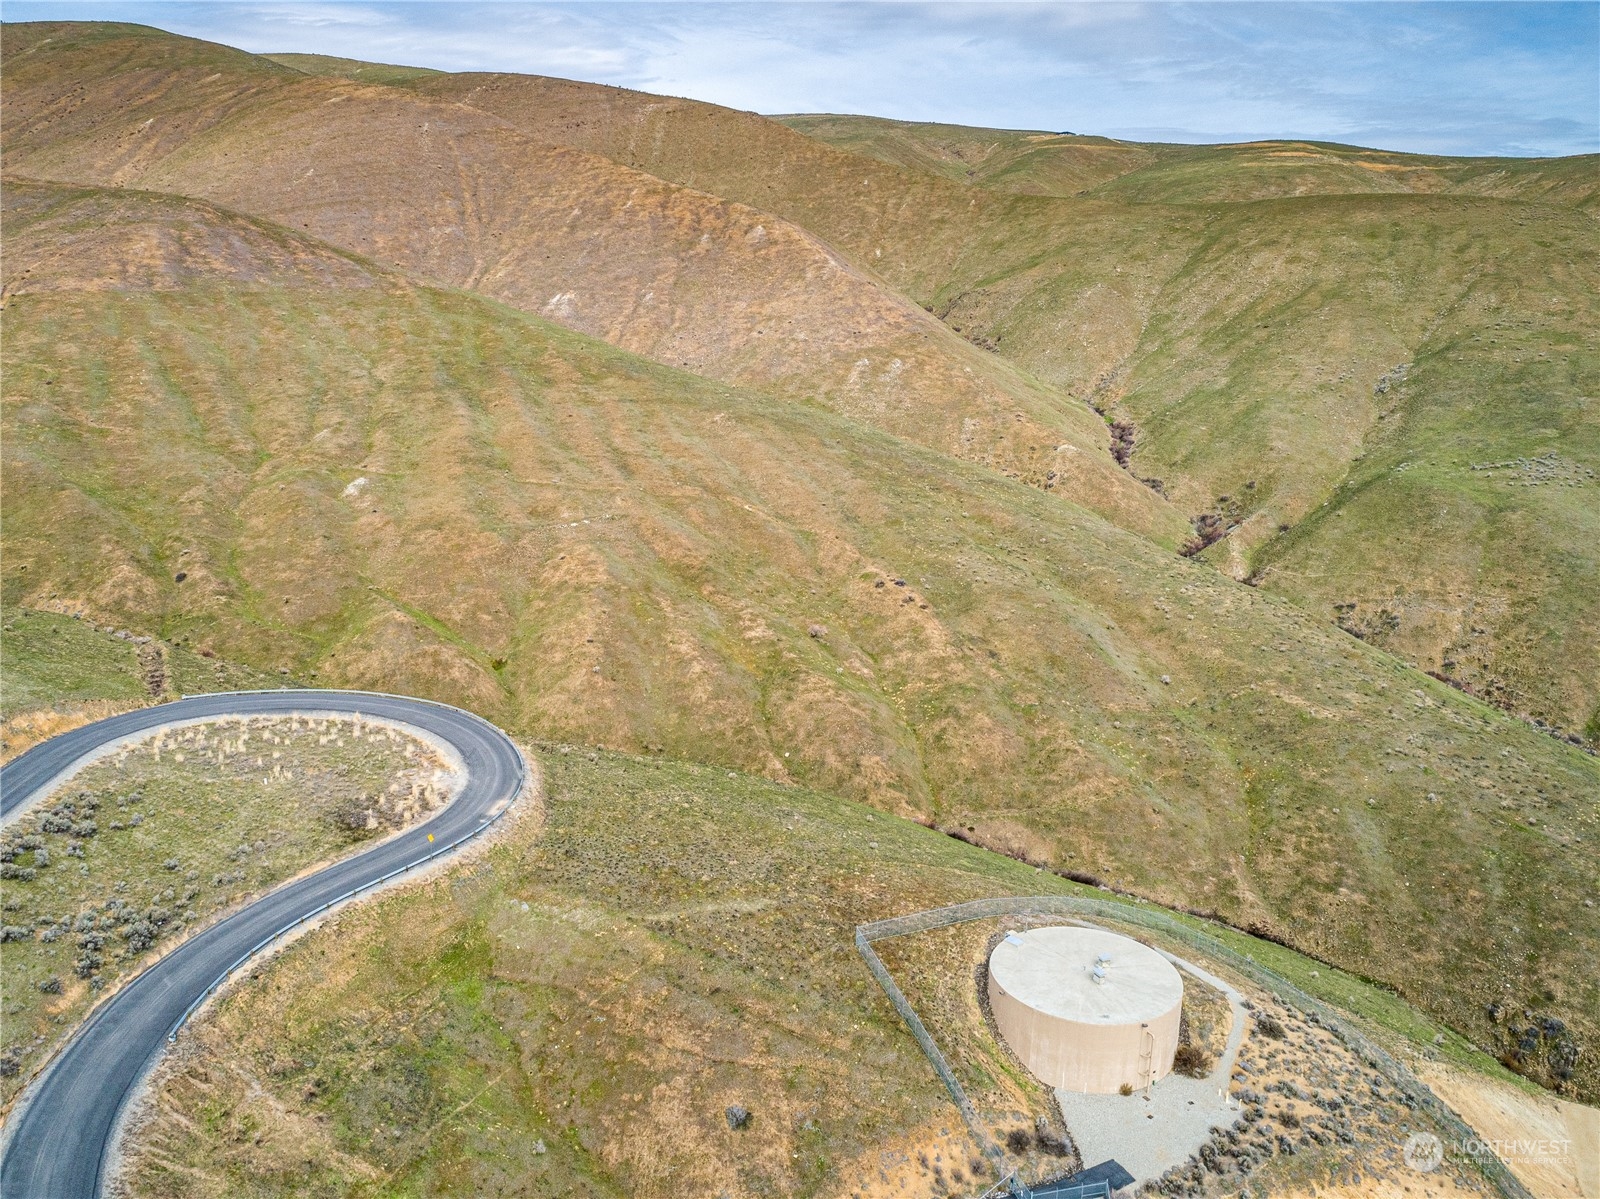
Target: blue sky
x,y
1451,78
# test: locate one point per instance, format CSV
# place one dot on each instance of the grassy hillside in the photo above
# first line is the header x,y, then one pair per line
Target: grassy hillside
x,y
913,228
1308,349
1064,164
47,659
1461,490
58,671
349,68
463,198
588,546
52,658
1248,347
1029,162
1280,169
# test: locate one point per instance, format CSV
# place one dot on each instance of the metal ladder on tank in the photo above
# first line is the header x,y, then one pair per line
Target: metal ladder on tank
x,y
1147,1057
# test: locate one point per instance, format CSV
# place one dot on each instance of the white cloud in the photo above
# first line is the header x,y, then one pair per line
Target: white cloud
x,y
1448,78
315,14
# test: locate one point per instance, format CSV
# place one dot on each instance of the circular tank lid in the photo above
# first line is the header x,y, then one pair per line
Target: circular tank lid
x,y
1086,975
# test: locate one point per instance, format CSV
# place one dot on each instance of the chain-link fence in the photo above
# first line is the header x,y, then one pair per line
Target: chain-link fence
x,y
914,1022
1374,1056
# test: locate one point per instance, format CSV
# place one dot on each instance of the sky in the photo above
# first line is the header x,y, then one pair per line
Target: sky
x,y
1464,77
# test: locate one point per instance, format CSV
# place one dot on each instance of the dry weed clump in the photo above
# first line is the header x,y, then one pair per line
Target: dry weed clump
x,y
1193,1061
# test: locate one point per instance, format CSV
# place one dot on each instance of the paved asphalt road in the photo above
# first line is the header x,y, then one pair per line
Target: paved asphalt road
x,y
57,1139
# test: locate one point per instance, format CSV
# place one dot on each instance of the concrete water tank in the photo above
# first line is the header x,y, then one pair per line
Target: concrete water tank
x,y
1086,1010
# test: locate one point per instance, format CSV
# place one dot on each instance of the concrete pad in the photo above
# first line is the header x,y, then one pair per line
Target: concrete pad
x,y
1151,1131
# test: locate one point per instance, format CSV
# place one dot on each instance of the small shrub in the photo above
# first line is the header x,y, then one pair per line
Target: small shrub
x,y
354,815
1269,1025
1209,528
1049,1142
1125,1089
1019,1141
140,935
1192,1061
1289,1119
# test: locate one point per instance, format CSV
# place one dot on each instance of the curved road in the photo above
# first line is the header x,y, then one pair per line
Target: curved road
x,y
58,1137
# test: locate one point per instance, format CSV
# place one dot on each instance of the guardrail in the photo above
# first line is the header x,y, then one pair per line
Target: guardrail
x,y
1373,1055
177,1027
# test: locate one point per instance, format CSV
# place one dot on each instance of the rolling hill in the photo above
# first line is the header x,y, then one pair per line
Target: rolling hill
x,y
1268,358
259,445
643,423
461,197
1035,162
1267,361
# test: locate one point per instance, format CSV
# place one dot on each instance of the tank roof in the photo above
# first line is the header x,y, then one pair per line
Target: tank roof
x,y
1052,970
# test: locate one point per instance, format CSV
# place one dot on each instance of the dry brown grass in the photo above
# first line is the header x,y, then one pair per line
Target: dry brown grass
x,y
1552,1146
24,730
